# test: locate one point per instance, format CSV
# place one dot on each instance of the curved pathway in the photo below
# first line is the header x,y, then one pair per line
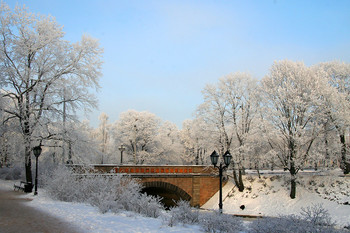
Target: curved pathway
x,y
16,216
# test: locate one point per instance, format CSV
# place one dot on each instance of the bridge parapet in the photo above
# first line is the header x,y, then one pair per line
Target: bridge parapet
x,y
156,169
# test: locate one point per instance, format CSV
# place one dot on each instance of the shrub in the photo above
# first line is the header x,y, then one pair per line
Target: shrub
x,y
149,206
11,173
183,213
288,224
317,215
107,192
62,185
282,224
312,219
216,222
213,222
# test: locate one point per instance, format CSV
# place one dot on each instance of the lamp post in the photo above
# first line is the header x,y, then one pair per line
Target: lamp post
x,y
121,148
37,152
214,157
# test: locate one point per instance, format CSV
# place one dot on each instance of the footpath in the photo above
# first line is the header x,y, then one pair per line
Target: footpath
x,y
16,216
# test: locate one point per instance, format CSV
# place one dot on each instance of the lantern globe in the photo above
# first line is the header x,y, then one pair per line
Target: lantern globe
x,y
227,158
37,151
214,158
122,147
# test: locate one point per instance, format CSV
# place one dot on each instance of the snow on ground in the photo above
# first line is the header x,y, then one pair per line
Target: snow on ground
x,y
269,196
90,219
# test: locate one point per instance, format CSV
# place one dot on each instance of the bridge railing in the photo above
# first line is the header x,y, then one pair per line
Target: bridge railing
x,y
153,169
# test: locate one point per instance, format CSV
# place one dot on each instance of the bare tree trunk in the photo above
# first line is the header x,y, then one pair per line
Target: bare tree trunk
x,y
238,179
344,165
235,178
293,186
257,169
326,162
28,160
27,133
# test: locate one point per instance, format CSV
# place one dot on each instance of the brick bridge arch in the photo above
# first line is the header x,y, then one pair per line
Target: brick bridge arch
x,y
194,183
170,193
170,187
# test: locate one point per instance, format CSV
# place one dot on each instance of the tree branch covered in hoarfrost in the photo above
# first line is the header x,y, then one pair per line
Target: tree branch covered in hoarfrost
x,y
40,71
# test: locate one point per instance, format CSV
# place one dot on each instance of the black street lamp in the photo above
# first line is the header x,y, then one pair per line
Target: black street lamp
x,y
37,152
214,157
121,148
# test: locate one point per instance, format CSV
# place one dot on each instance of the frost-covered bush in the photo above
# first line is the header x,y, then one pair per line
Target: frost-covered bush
x,y
183,213
11,173
282,224
313,219
63,185
149,206
317,215
46,170
216,222
107,192
213,222
288,224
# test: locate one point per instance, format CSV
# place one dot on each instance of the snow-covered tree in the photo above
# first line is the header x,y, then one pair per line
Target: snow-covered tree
x,y
138,132
36,65
83,145
168,146
214,111
9,138
293,97
338,107
231,107
102,136
197,141
239,93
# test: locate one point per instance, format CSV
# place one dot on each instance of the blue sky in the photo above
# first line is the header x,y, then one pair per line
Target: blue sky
x,y
159,55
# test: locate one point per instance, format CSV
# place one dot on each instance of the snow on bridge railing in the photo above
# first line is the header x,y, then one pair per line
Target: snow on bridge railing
x,y
152,170
155,169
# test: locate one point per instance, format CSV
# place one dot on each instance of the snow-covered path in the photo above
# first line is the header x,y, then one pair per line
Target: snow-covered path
x,y
17,216
39,213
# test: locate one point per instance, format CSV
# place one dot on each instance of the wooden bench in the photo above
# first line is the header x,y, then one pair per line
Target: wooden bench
x,y
24,186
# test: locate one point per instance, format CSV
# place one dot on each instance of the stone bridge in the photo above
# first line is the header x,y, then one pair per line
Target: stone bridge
x,y
196,184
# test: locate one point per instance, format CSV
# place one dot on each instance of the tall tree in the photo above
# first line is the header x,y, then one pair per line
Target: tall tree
x,y
36,64
214,111
239,93
103,136
231,107
196,136
169,147
338,107
138,131
293,105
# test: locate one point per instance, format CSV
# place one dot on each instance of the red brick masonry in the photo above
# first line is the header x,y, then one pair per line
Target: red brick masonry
x,y
196,184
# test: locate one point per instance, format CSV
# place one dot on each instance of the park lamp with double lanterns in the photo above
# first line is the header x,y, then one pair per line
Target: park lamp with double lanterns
x,y
214,157
37,151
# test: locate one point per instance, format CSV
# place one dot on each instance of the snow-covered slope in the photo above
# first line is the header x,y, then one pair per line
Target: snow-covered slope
x,y
269,196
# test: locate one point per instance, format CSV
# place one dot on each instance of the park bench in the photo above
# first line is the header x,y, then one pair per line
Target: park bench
x,y
24,186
